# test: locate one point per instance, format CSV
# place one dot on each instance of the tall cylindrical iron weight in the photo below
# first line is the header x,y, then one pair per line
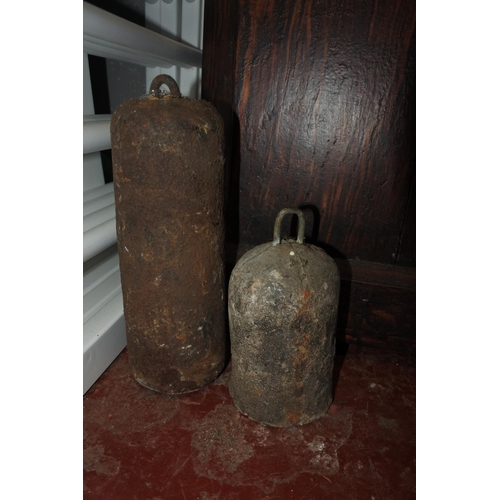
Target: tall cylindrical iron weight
x,y
169,189
283,300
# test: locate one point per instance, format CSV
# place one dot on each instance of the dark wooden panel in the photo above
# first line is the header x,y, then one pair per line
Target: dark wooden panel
x,y
407,244
406,255
376,274
322,98
350,270
218,85
379,316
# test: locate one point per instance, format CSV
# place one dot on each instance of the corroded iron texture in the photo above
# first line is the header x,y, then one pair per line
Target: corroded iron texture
x,y
169,181
283,302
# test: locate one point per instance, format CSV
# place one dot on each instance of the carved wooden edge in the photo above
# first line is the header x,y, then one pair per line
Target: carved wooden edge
x,y
357,271
377,303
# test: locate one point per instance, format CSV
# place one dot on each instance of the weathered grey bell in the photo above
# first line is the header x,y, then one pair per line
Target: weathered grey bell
x,y
283,301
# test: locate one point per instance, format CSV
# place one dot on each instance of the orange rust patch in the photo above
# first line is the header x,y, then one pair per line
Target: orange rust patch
x,y
305,341
301,356
293,417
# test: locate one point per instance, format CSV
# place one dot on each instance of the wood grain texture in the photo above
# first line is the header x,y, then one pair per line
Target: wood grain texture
x,y
218,84
321,106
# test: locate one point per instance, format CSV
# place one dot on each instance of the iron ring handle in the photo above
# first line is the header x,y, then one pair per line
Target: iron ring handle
x,y
277,225
159,80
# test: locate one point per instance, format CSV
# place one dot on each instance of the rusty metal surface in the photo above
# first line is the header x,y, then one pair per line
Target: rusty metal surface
x,y
169,178
283,300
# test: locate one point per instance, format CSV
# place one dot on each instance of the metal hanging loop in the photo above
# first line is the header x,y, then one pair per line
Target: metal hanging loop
x,y
277,225
167,80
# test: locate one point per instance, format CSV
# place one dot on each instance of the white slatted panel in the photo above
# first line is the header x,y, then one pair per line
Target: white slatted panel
x,y
163,17
109,36
96,133
92,165
191,33
171,44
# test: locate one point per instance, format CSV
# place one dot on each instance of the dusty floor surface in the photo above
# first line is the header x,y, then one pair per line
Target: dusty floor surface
x,y
139,444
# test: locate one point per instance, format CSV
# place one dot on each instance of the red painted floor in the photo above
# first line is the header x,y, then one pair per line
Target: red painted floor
x,y
142,445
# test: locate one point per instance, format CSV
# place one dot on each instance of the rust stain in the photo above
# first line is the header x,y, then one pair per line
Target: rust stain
x,y
301,356
293,417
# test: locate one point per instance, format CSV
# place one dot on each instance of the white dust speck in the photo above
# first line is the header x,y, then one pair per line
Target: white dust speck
x,y
276,274
317,444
